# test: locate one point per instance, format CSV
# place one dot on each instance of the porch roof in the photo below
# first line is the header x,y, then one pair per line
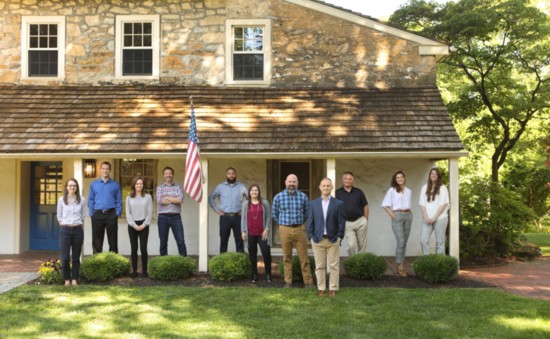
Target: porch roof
x,y
155,119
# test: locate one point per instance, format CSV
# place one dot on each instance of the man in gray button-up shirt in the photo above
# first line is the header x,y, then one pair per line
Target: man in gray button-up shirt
x,y
231,194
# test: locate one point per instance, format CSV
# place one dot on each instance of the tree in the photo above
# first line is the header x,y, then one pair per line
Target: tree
x,y
498,73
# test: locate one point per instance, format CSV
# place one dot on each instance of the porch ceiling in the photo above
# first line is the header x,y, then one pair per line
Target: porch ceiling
x,y
155,119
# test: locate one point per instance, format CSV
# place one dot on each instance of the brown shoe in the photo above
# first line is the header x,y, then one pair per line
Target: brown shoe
x,y
320,293
401,272
331,294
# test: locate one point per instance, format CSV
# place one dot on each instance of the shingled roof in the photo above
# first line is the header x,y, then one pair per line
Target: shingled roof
x,y
155,119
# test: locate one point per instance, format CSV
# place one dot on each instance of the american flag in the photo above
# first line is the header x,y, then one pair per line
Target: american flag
x,y
193,174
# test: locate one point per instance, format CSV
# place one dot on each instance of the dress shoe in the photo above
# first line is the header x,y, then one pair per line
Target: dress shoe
x,y
331,294
254,278
320,293
268,277
133,275
401,272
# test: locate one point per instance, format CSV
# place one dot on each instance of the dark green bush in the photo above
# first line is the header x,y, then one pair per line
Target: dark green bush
x,y
230,266
296,269
436,268
365,266
50,272
104,266
492,219
171,267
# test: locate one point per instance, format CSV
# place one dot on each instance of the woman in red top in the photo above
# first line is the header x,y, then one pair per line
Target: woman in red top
x,y
255,223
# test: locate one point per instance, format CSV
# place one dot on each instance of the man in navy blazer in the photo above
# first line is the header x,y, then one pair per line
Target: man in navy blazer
x,y
326,224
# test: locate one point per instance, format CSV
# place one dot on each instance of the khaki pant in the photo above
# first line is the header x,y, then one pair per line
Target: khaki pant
x,y
322,251
290,237
356,235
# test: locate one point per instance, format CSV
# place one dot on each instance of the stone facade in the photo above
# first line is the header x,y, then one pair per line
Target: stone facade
x,y
322,51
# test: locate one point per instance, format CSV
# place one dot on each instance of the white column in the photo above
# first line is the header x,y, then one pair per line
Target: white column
x,y
78,174
454,209
331,173
203,221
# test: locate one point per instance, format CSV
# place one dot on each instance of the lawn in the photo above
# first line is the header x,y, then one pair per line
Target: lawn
x,y
240,312
540,239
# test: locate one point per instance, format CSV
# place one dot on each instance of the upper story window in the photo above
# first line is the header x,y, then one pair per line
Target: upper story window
x,y
137,53
43,47
248,57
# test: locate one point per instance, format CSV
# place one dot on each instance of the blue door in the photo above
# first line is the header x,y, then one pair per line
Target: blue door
x,y
46,188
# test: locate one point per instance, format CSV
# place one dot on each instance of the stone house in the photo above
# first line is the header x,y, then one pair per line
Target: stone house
x,y
279,86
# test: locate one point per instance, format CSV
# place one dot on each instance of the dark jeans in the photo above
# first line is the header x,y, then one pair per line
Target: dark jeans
x,y
101,222
173,221
143,236
253,242
71,238
227,224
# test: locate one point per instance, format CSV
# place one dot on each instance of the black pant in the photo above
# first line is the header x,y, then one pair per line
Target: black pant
x,y
253,242
228,223
143,236
70,238
101,222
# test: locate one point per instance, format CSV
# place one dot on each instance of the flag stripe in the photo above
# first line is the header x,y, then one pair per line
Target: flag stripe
x,y
193,176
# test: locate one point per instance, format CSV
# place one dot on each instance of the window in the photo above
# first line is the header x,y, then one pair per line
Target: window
x,y
131,168
137,54
43,47
248,57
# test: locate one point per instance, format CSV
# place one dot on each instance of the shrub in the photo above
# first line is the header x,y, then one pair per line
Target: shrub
x,y
230,266
171,267
365,266
436,268
296,269
50,272
104,266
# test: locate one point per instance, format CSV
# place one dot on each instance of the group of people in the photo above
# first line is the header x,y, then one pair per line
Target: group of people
x,y
325,221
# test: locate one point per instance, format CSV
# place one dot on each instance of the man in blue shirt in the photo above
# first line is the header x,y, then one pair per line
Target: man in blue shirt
x,y
105,206
290,208
231,195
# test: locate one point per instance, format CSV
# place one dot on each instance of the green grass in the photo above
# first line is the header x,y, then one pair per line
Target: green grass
x,y
540,239
239,312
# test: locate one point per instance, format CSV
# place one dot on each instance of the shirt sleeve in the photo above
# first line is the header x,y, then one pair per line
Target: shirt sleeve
x,y
129,217
181,196
363,199
91,200
212,198
422,197
306,207
149,217
159,195
275,211
444,194
82,208
118,200
60,210
387,202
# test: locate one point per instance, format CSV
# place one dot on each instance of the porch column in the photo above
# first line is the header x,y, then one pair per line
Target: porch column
x,y
454,209
203,220
77,173
331,173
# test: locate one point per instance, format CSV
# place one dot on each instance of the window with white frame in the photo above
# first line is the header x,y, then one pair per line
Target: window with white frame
x,y
43,47
248,57
137,53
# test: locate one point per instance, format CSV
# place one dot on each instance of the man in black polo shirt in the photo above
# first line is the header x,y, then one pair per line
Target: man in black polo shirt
x,y
357,214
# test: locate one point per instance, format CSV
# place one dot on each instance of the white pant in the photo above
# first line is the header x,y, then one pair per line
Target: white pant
x,y
440,227
356,235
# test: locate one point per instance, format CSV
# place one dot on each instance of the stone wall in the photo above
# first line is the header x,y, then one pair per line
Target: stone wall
x,y
320,51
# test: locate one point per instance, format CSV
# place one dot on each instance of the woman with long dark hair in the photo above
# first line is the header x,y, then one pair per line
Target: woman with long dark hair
x,y
397,203
434,202
70,215
139,213
255,224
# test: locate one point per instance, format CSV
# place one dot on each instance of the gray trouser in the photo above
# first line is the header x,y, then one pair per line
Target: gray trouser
x,y
401,226
440,227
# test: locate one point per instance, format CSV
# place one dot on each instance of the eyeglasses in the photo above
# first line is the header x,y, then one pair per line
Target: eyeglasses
x,y
71,185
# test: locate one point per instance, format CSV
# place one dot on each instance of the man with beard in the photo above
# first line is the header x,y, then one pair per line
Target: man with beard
x,y
231,194
290,209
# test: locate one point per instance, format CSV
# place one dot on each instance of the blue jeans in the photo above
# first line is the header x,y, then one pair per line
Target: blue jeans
x,y
173,221
70,238
401,226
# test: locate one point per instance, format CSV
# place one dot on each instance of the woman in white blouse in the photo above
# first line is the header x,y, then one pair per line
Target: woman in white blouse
x,y
70,215
139,213
397,203
434,202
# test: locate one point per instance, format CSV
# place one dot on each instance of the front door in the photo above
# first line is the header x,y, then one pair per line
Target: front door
x,y
46,188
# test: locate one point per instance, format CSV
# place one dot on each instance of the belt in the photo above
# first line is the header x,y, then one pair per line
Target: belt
x,y
170,214
232,214
105,211
74,225
353,219
292,225
403,211
325,236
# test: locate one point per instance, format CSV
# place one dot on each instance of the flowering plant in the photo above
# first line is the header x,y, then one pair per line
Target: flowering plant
x,y
50,272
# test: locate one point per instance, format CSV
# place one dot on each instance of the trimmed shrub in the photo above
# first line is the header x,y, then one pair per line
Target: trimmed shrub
x,y
104,266
436,268
230,266
296,269
50,272
365,266
171,267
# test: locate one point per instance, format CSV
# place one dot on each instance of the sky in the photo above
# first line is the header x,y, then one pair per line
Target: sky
x,y
379,9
